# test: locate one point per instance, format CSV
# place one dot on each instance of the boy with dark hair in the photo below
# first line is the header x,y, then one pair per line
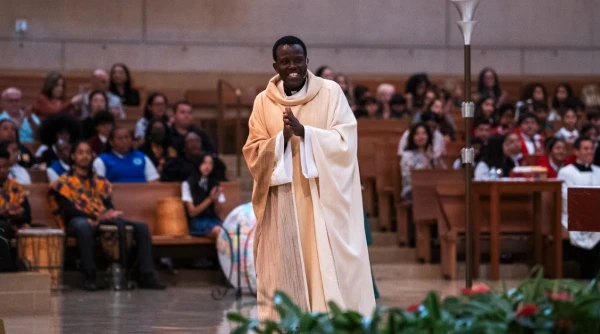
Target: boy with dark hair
x,y
104,122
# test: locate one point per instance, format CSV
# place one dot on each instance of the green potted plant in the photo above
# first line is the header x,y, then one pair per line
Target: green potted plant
x,y
536,305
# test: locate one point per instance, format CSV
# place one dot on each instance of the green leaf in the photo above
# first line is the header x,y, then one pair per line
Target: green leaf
x,y
237,317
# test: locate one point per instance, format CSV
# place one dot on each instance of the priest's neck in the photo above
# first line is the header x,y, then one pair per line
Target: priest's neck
x,y
291,91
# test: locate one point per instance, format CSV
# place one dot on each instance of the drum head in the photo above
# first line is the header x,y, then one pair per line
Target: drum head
x,y
244,216
40,231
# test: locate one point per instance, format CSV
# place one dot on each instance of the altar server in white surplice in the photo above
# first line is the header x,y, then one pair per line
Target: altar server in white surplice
x,y
582,174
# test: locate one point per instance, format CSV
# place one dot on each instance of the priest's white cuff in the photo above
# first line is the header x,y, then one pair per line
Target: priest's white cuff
x,y
282,171
307,158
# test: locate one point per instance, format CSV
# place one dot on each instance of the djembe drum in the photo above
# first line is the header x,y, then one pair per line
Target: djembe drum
x,y
108,236
41,250
170,218
238,269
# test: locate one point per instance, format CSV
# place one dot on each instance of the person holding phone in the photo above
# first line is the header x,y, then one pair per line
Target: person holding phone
x,y
203,197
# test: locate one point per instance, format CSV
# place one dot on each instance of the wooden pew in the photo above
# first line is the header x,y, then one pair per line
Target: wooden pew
x,y
38,176
138,202
516,220
387,169
134,113
370,134
425,210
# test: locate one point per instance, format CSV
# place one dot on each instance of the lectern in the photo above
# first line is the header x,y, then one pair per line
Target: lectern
x,y
582,206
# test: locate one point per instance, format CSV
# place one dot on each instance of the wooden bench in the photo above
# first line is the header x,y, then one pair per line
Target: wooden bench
x,y
387,175
517,216
138,202
425,210
371,133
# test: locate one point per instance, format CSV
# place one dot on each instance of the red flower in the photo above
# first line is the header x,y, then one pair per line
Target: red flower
x,y
476,289
526,310
413,308
559,296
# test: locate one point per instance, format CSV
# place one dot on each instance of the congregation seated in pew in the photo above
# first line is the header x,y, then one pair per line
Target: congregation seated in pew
x,y
104,123
16,171
15,212
202,195
506,119
26,122
500,156
157,144
62,164
100,82
182,167
155,109
54,128
568,132
554,159
121,85
98,102
52,99
531,141
418,154
83,201
8,132
182,125
122,163
438,144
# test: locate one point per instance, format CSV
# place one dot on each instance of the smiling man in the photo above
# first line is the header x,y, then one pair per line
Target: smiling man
x,y
301,151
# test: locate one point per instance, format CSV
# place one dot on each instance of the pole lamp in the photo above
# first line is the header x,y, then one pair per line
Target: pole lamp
x,y
466,9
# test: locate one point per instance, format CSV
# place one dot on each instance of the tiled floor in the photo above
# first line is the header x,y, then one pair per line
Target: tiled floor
x,y
176,310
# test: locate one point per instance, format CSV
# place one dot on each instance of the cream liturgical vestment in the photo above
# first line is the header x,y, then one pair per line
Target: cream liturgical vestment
x,y
310,238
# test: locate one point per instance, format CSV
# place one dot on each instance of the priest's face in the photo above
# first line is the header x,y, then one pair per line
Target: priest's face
x,y
585,153
291,65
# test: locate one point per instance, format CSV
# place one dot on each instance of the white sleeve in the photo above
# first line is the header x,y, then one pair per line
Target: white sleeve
x,y
482,172
99,167
186,194
40,151
457,164
402,143
150,170
282,173
307,158
52,176
439,145
25,178
140,129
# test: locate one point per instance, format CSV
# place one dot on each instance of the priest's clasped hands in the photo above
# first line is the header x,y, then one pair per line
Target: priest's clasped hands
x,y
291,125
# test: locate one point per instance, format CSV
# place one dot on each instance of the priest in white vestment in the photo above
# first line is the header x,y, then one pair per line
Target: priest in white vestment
x,y
582,174
301,151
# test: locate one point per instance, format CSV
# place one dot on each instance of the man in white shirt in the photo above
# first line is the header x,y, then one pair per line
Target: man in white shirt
x,y
432,120
100,81
26,122
582,174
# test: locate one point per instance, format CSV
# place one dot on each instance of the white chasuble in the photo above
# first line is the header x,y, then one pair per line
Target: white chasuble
x,y
310,240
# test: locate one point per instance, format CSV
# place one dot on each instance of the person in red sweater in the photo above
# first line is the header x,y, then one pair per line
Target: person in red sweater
x,y
52,99
554,160
528,132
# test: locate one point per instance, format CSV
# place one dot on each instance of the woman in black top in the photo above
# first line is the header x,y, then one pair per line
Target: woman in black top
x,y
202,196
120,85
157,144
